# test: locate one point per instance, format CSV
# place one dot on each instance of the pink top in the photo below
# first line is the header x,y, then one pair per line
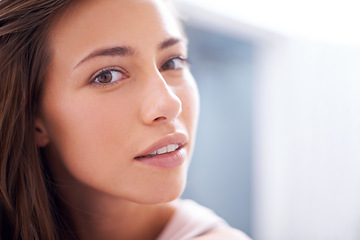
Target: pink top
x,y
190,220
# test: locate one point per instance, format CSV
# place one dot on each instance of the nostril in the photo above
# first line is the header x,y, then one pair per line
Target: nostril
x,y
161,105
160,118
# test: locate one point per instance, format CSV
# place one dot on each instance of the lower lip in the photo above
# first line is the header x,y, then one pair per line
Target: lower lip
x,y
165,161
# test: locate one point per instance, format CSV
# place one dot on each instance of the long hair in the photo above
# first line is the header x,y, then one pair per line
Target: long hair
x,y
27,211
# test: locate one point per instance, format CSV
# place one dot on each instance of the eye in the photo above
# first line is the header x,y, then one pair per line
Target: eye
x,y
173,64
108,76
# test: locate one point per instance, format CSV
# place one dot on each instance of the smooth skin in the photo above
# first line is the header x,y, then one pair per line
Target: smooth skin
x,y
118,82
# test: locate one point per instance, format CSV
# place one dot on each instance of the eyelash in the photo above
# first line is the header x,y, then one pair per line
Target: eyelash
x,y
183,60
95,76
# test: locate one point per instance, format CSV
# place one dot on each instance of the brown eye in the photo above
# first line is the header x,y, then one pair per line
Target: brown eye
x,y
173,64
104,77
108,76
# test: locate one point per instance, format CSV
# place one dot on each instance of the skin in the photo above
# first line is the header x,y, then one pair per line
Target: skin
x,y
91,132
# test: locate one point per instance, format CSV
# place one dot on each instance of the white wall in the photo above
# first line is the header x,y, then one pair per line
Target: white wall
x,y
307,142
306,178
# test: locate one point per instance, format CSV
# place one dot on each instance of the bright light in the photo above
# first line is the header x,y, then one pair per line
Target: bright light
x,y
334,21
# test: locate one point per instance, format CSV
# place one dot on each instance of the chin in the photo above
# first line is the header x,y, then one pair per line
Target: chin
x,y
163,194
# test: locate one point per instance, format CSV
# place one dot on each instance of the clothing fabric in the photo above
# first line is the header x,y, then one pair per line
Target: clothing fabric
x,y
190,220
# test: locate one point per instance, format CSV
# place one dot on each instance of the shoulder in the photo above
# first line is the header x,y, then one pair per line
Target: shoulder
x,y
193,221
227,233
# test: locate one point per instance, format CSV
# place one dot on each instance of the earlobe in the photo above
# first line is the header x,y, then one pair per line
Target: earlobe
x,y
41,135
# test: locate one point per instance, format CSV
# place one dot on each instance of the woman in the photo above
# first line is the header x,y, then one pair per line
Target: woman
x,y
97,125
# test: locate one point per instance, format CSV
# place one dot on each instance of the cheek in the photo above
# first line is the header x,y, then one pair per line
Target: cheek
x,y
86,131
190,103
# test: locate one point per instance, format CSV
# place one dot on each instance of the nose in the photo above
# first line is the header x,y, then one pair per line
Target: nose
x,y
159,103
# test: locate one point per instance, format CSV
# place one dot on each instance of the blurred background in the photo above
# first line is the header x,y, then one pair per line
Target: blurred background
x,y
278,146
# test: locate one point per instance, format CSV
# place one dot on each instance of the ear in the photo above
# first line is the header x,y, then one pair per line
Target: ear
x,y
41,134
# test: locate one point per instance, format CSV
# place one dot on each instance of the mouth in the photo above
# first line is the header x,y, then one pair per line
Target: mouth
x,y
166,153
162,151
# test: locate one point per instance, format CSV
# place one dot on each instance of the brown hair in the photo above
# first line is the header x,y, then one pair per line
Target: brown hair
x,y
27,211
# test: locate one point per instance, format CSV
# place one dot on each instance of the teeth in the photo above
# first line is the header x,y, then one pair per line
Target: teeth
x,y
161,150
172,147
167,149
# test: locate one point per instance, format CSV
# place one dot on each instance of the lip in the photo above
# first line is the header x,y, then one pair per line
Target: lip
x,y
167,160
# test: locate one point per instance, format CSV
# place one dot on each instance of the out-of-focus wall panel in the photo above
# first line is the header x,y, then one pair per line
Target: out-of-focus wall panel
x,y
220,174
307,142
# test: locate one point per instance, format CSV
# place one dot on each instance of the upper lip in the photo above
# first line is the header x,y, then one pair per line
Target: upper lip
x,y
174,138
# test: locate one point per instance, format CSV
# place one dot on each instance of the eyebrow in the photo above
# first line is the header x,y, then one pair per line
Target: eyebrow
x,y
114,51
123,51
170,42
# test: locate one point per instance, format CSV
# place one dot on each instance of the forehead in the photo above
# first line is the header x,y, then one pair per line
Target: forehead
x,y
99,23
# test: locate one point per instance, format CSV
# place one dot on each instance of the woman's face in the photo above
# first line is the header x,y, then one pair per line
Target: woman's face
x,y
119,106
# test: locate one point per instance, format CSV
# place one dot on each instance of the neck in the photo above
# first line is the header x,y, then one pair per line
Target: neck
x,y
98,216
94,215
132,222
